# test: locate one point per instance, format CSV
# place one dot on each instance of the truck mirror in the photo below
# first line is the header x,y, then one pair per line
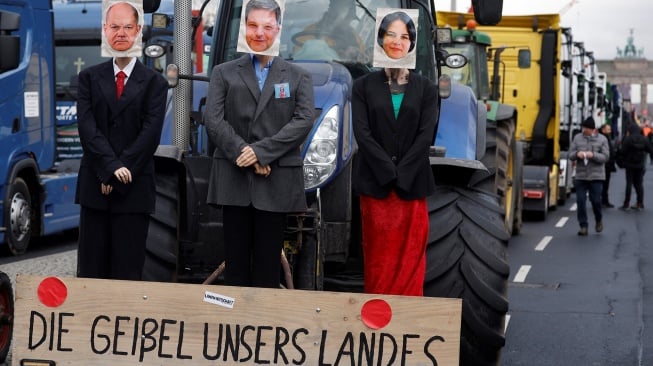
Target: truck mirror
x,y
487,12
444,86
150,6
455,61
172,75
524,59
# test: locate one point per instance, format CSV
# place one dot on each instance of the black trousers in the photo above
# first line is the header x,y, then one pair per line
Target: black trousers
x,y
253,243
606,187
634,177
111,245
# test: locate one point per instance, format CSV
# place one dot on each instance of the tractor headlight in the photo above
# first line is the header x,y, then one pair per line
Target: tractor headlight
x,y
154,51
321,157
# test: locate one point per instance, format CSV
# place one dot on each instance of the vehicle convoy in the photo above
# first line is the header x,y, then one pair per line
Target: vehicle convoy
x,y
468,238
504,156
584,93
537,93
578,92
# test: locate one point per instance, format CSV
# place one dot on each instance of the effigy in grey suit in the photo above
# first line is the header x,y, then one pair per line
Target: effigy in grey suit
x,y
257,125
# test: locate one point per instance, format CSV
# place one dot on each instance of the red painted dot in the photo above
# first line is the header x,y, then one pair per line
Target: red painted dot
x,y
376,313
52,292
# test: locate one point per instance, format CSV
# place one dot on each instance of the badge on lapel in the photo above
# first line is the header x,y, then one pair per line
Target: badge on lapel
x,y
282,90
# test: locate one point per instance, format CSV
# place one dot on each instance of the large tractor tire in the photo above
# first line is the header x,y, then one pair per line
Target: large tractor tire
x,y
6,315
504,159
162,245
184,239
467,259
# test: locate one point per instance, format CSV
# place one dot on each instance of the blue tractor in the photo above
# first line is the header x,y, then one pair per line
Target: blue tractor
x,y
468,239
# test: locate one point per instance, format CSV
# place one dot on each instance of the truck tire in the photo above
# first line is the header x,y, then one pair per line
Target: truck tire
x,y
162,245
184,242
518,186
467,259
6,315
504,160
18,216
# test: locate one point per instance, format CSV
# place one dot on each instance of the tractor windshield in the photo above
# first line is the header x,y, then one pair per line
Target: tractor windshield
x,y
474,74
335,30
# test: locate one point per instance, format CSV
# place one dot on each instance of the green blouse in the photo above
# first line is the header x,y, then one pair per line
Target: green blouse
x,y
396,102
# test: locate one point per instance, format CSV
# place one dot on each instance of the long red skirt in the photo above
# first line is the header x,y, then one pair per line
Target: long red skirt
x,y
395,233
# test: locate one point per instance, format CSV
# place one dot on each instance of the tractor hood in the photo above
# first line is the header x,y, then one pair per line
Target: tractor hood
x,y
331,82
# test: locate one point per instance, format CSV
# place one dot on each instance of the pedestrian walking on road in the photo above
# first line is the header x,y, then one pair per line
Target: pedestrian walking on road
x,y
635,147
591,151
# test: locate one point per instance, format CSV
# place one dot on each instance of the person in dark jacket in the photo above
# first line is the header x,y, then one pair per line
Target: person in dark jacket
x,y
635,146
590,151
610,166
120,110
394,125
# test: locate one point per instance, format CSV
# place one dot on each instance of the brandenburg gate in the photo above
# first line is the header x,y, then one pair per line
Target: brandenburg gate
x,y
629,67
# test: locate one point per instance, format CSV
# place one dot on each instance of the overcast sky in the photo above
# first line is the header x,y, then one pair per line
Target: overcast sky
x,y
603,25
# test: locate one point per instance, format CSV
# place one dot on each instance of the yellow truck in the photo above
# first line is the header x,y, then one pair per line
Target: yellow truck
x,y
535,92
542,84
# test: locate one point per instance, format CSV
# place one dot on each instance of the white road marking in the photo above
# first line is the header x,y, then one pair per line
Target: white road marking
x,y
505,326
522,273
562,221
573,207
543,243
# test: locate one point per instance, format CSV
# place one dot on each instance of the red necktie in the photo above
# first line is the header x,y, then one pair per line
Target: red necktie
x,y
120,83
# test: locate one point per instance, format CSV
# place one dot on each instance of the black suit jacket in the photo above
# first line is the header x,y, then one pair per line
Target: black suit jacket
x,y
116,133
393,152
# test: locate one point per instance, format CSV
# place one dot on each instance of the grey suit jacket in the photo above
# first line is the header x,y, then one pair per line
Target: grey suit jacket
x,y
273,122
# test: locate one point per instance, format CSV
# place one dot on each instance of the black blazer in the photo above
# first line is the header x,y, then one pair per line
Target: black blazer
x,y
393,152
116,133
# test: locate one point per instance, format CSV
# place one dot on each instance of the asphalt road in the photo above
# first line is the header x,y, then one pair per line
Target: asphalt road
x,y
583,300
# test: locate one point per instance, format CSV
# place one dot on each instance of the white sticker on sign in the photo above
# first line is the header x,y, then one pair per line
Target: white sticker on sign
x,y
218,299
31,100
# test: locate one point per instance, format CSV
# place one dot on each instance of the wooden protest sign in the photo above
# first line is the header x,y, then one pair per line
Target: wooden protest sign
x,y
74,321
